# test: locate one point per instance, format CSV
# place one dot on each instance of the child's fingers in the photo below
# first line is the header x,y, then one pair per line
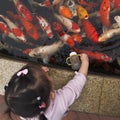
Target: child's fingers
x,y
46,69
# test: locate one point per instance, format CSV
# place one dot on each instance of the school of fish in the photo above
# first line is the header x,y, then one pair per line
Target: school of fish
x,y
72,23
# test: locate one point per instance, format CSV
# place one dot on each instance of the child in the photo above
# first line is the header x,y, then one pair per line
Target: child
x,y
30,94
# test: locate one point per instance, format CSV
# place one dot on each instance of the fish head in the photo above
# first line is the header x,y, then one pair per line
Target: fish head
x,y
75,27
82,12
117,19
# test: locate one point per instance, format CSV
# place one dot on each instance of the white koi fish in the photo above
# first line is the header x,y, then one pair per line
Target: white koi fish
x,y
108,34
23,10
117,19
44,52
69,24
14,29
45,26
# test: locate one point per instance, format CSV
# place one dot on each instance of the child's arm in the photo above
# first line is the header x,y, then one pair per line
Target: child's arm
x,y
84,64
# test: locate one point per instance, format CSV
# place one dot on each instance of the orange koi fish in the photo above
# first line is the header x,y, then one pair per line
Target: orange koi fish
x,y
23,10
64,11
104,13
116,4
66,38
44,52
77,37
82,12
69,24
6,30
45,26
30,29
90,30
98,56
14,29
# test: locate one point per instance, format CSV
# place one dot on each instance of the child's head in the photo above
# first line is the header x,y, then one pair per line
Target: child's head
x,y
28,92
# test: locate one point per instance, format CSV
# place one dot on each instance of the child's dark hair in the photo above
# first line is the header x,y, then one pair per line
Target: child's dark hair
x,y
28,92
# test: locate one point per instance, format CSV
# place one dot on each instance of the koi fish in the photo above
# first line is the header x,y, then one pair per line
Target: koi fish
x,y
82,12
14,29
45,26
108,34
23,10
90,5
117,19
66,38
77,37
44,52
116,4
104,13
30,29
90,31
6,30
71,5
45,3
69,24
65,12
98,56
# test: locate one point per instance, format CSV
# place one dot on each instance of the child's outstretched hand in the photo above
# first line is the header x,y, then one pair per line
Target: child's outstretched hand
x,y
84,64
84,57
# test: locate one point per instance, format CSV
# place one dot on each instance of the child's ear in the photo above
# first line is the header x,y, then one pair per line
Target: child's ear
x,y
46,69
52,95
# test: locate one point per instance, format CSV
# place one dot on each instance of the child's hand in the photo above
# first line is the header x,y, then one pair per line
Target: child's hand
x,y
46,69
84,64
84,57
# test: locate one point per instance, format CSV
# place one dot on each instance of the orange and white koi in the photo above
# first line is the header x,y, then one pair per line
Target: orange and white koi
x,y
14,28
6,30
44,52
23,10
108,34
30,29
69,24
72,6
77,37
104,13
117,19
66,38
65,11
98,56
82,12
90,30
44,24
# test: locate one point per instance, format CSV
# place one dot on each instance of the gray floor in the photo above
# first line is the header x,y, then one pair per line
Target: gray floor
x,y
100,95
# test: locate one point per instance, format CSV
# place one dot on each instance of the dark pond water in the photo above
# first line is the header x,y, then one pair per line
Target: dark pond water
x,y
59,27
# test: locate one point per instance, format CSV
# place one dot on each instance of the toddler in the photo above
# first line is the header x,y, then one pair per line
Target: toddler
x,y
30,94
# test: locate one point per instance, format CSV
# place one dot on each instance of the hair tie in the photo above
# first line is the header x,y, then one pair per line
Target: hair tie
x,y
24,72
43,105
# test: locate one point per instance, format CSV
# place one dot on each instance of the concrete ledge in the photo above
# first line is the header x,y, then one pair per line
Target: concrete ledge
x,y
100,95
